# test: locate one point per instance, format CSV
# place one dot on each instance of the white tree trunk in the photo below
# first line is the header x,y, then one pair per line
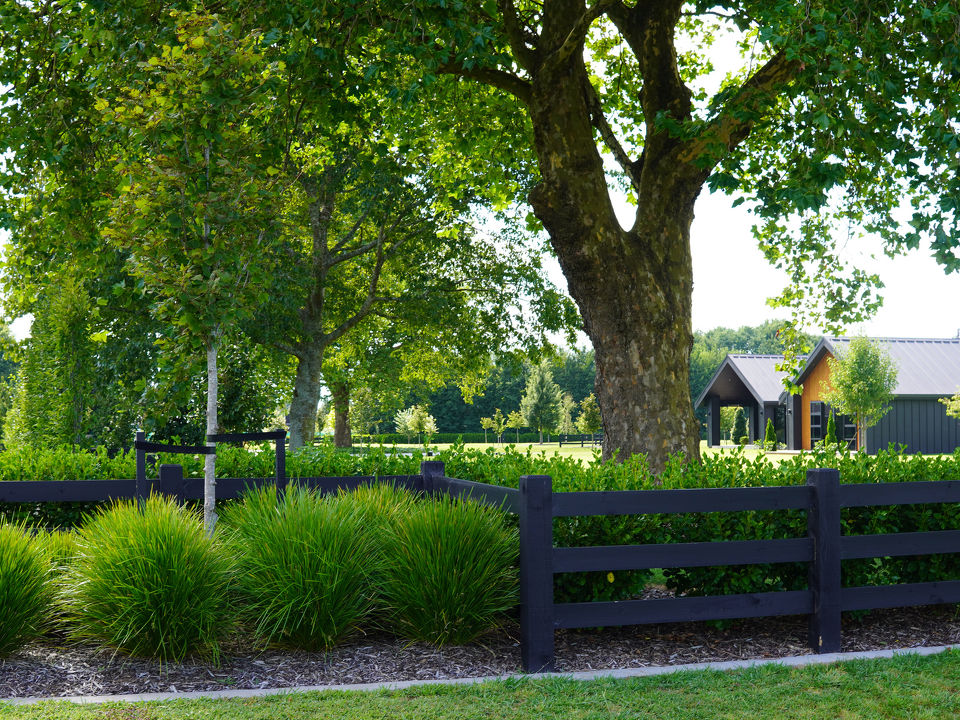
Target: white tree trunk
x,y
210,461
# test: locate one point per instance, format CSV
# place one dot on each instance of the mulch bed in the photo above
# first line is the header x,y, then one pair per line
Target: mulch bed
x,y
49,669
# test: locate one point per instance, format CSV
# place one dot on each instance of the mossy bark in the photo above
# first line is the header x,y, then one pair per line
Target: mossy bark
x,y
633,286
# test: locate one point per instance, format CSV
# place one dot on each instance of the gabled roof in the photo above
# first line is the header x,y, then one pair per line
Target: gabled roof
x,y
925,366
754,374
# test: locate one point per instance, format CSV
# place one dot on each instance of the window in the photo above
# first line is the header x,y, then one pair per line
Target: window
x,y
817,426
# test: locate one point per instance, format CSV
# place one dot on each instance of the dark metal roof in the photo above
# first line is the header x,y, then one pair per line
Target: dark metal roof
x,y
925,366
740,374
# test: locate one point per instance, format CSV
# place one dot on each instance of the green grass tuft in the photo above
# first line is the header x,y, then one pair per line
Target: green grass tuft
x,y
305,566
150,582
451,571
24,588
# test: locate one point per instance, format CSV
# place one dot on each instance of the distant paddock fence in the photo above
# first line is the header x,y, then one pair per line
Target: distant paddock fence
x,y
584,440
823,547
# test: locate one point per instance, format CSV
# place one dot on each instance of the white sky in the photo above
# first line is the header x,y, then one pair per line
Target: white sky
x,y
732,280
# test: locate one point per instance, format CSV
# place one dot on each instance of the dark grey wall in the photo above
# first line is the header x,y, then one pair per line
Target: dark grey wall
x,y
920,424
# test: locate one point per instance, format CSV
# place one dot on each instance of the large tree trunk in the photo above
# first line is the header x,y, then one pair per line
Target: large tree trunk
x,y
342,437
306,397
633,287
210,461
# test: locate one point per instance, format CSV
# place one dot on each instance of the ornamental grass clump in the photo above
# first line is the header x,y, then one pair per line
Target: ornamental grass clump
x,y
450,573
305,566
60,551
24,588
149,582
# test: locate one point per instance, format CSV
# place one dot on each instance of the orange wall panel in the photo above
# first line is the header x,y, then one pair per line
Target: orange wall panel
x,y
812,393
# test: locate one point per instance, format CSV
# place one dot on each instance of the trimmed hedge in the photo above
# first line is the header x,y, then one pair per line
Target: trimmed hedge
x,y
505,466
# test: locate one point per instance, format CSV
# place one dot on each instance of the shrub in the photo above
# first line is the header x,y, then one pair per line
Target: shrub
x,y
304,566
770,436
831,437
24,590
739,425
450,571
60,550
149,582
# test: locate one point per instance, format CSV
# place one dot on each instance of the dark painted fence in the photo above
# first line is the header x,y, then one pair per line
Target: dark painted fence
x,y
823,547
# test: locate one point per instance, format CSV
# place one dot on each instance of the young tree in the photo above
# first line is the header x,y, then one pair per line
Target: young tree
x,y
487,424
861,384
728,414
497,424
567,406
589,421
422,423
953,405
541,404
516,421
191,212
770,436
830,439
403,421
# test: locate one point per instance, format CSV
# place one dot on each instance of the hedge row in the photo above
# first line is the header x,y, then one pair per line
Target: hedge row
x,y
724,470
306,572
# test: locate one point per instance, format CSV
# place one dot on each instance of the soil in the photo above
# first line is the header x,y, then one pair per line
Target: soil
x,y
55,669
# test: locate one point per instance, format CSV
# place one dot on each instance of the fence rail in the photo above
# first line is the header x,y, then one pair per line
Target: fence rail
x,y
822,548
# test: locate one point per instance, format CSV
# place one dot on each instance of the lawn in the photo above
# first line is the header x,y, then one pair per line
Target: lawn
x,y
586,454
905,687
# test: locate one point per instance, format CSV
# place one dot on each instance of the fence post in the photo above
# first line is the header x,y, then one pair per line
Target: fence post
x,y
171,481
281,467
823,527
433,473
536,573
140,485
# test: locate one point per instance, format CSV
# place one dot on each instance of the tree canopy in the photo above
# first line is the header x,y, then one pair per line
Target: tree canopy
x,y
839,121
837,125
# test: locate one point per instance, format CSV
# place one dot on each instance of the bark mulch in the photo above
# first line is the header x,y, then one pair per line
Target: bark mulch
x,y
50,669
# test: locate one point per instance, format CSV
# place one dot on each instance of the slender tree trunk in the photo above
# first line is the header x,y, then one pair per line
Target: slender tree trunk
x,y
342,436
633,287
306,397
210,461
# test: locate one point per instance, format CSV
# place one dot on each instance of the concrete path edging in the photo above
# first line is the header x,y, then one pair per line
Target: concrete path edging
x,y
793,661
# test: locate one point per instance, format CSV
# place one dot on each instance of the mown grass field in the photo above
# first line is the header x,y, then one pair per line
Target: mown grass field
x,y
586,454
905,687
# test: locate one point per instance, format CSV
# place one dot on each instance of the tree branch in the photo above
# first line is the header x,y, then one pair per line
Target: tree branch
x,y
599,121
368,303
578,32
734,122
352,232
649,31
502,79
517,36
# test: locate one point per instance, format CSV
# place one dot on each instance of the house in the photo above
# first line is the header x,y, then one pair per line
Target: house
x,y
752,382
927,370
